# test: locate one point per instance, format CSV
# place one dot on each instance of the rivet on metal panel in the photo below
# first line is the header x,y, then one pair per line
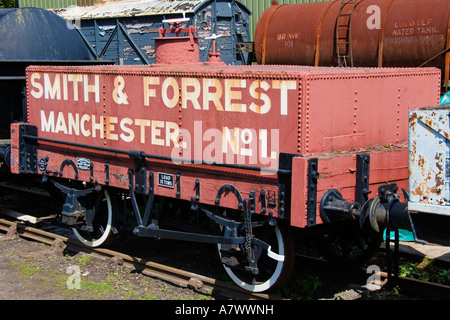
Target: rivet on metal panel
x,y
299,114
307,115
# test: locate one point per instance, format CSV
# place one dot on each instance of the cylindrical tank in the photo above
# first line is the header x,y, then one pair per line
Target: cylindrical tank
x,y
383,33
33,34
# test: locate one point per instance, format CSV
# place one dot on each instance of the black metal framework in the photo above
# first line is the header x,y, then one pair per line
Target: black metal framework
x,y
72,210
253,246
69,162
28,162
141,221
284,187
362,178
313,176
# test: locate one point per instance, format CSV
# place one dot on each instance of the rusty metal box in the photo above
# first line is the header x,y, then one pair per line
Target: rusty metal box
x,y
429,160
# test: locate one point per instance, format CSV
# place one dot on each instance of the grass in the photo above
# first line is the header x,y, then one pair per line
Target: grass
x,y
83,260
300,288
31,270
425,270
28,269
50,275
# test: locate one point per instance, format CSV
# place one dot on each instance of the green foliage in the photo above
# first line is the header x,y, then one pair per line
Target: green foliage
x,y
7,3
412,270
444,277
426,270
301,289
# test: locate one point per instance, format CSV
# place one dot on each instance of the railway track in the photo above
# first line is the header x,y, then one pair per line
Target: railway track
x,y
195,281
416,286
408,285
420,287
175,276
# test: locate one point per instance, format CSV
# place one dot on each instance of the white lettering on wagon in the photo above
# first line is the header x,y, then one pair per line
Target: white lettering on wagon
x,y
114,108
226,95
162,133
201,94
249,145
58,87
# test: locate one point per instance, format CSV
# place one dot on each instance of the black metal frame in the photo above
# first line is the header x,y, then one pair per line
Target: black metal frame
x,y
313,176
253,246
362,178
28,162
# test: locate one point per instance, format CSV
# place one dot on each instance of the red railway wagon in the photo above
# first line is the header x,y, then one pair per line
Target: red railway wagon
x,y
260,150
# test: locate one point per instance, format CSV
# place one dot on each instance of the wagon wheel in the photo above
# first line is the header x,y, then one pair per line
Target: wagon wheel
x,y
273,271
348,245
98,204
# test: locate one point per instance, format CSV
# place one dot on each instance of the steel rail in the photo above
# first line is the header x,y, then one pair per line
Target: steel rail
x,y
420,287
175,276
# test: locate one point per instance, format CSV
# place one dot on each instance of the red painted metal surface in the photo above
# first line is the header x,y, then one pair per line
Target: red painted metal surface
x,y
388,33
176,50
241,116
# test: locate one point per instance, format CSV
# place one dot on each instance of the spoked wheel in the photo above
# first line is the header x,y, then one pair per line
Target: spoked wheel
x,y
274,267
348,245
99,205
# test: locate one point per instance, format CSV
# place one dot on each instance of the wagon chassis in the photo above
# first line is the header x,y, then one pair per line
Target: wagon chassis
x,y
236,234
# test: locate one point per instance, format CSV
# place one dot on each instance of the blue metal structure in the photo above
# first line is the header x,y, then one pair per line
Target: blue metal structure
x,y
124,31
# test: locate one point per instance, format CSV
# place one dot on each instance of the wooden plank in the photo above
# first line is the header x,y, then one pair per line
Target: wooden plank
x,y
24,217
